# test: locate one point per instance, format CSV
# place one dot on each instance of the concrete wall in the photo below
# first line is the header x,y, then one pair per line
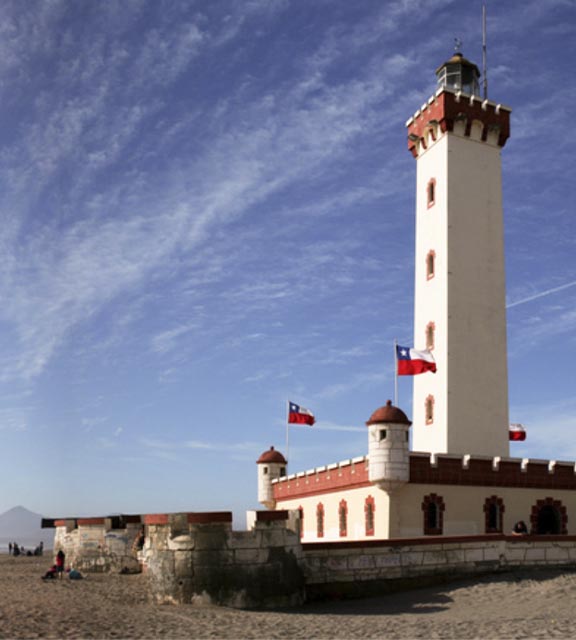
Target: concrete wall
x,y
361,569
198,559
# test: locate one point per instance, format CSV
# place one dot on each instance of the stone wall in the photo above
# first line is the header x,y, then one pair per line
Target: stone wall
x,y
196,558
99,544
364,568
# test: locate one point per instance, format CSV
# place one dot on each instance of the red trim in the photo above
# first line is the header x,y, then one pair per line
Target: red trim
x,y
446,109
352,476
428,540
64,522
209,517
86,522
156,518
269,516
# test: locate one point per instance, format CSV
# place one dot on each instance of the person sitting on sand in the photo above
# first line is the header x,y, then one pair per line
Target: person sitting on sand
x,y
520,528
50,574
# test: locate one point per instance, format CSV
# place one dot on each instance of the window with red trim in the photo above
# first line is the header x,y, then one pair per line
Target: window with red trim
x,y
431,192
429,409
320,520
369,508
430,264
493,514
430,335
433,510
343,518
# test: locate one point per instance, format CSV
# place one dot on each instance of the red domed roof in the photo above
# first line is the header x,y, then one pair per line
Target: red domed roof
x,y
271,456
388,414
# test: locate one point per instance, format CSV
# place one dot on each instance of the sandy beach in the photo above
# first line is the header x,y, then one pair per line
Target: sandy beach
x,y
527,605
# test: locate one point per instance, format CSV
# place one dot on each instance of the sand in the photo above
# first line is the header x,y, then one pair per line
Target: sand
x,y
520,605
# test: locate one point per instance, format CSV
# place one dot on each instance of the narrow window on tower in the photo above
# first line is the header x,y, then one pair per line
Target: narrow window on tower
x,y
430,331
430,264
343,518
429,409
320,520
369,515
431,192
301,513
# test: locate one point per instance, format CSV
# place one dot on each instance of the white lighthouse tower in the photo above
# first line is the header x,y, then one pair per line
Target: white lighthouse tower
x,y
460,313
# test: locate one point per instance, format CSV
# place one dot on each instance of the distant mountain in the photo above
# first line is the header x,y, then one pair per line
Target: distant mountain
x,y
24,527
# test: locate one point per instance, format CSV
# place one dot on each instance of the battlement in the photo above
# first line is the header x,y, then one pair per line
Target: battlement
x,y
467,115
347,474
427,468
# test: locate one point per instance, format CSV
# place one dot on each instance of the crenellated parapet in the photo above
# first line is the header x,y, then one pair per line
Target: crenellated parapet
x,y
465,115
348,474
426,468
483,471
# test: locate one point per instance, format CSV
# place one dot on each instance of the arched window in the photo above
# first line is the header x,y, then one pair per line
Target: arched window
x,y
430,264
343,518
493,514
429,409
431,192
430,335
433,511
549,517
369,515
320,520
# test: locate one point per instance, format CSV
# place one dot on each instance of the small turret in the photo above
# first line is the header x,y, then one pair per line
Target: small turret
x,y
271,466
388,447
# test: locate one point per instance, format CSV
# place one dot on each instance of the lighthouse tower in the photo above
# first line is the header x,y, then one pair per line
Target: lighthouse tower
x,y
460,313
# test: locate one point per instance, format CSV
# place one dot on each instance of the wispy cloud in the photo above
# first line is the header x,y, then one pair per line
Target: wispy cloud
x,y
541,294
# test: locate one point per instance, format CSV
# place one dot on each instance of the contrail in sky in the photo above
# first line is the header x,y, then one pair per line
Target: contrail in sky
x,y
541,294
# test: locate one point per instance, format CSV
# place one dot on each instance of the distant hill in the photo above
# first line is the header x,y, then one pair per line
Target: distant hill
x,y
24,527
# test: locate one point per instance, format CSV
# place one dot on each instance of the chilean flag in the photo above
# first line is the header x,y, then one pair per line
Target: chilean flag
x,y
412,362
517,432
299,415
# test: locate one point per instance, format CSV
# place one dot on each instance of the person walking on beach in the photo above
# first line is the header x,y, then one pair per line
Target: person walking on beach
x,y
9,548
60,557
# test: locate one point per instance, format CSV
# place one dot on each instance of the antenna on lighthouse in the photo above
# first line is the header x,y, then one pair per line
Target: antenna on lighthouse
x,y
484,69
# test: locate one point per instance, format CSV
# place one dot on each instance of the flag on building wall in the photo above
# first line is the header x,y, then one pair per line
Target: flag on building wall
x,y
299,415
517,432
411,362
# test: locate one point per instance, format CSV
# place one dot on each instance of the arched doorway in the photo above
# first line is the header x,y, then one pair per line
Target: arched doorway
x,y
548,522
549,518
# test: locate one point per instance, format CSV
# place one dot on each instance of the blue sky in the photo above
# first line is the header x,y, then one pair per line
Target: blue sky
x,y
207,209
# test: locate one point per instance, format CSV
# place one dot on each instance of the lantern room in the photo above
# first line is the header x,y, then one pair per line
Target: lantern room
x,y
459,74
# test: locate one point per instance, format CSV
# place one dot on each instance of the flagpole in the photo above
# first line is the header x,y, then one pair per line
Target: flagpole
x,y
395,373
287,433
